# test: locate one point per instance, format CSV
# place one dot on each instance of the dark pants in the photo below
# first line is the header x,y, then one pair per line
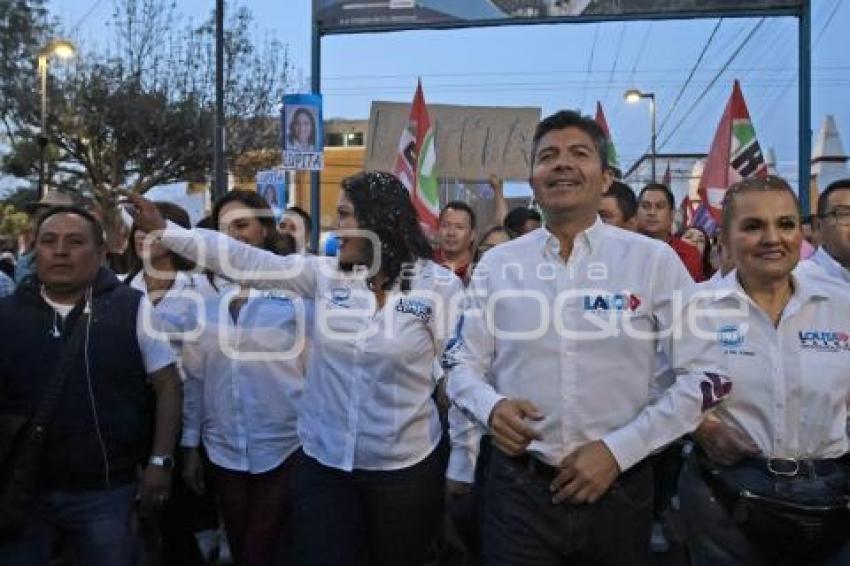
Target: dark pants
x,y
523,527
185,514
256,509
98,524
713,537
376,518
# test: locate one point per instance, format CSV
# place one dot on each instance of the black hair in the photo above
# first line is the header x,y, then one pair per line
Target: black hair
x,y
707,268
96,227
174,213
835,186
515,220
463,207
662,188
206,222
382,205
274,241
308,222
625,197
570,119
771,183
299,112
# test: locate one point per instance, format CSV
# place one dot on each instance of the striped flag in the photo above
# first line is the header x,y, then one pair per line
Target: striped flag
x,y
416,161
735,154
613,162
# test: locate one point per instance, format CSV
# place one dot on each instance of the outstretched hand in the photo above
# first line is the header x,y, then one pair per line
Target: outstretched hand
x,y
144,212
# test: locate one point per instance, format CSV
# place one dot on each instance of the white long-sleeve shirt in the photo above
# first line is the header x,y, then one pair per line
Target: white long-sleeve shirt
x,y
244,379
179,306
367,399
562,335
791,381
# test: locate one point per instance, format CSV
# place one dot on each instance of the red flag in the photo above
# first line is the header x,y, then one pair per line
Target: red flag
x,y
414,165
735,153
603,123
668,176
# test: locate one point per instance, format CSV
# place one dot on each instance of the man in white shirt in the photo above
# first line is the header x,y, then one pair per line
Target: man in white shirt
x,y
832,226
555,357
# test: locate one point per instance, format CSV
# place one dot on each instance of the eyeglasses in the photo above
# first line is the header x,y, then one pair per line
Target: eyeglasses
x,y
840,214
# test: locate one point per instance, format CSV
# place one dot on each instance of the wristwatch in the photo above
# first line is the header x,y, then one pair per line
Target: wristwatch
x,y
166,462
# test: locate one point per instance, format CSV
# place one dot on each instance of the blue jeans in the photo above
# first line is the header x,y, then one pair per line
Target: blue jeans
x,y
714,538
96,523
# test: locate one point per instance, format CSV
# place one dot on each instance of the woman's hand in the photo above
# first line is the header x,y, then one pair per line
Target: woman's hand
x,y
145,215
724,444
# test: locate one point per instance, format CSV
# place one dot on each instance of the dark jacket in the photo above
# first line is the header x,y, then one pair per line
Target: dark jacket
x,y
101,428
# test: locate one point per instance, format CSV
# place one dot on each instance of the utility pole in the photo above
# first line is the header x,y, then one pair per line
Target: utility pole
x,y
219,187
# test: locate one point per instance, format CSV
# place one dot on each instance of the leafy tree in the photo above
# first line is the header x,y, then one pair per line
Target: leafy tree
x,y
141,113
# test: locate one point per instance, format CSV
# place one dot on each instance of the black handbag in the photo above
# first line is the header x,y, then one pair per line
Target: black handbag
x,y
796,510
22,443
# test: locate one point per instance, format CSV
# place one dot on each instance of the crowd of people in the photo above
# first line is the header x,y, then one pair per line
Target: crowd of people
x,y
532,392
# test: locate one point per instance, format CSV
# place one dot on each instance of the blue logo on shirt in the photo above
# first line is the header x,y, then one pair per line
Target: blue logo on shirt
x,y
418,309
824,340
729,336
613,302
340,296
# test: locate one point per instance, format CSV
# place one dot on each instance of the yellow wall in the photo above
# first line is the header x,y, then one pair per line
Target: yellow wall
x,y
340,162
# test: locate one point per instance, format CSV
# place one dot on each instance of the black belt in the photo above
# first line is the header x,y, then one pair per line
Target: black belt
x,y
791,467
540,470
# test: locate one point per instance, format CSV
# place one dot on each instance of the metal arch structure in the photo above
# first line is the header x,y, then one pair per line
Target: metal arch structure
x,y
452,14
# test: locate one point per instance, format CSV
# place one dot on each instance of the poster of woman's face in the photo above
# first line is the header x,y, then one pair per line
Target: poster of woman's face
x,y
300,128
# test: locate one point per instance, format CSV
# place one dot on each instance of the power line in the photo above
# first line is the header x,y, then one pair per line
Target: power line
x,y
86,15
590,61
691,75
705,91
620,37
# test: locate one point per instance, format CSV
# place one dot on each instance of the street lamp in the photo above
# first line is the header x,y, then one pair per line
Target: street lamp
x,y
63,49
633,96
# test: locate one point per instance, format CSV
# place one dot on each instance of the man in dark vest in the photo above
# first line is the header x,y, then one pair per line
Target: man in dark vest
x,y
111,437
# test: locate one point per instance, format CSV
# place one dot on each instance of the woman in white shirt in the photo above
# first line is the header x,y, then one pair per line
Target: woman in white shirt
x,y
176,295
369,485
244,374
767,483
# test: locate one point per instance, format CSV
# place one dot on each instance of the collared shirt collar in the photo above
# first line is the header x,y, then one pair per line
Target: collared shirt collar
x,y
830,264
804,291
588,238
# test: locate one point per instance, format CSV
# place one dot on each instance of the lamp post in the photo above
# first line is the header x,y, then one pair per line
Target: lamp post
x,y
633,96
63,49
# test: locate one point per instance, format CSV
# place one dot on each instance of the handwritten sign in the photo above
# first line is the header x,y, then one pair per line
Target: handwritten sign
x,y
473,142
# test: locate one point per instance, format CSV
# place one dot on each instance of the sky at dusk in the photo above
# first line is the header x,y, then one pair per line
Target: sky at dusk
x,y
566,66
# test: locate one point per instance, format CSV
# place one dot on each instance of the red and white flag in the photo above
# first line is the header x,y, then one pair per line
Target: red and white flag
x,y
603,123
415,164
735,154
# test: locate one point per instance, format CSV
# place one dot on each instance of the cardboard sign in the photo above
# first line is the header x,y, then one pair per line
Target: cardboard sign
x,y
472,142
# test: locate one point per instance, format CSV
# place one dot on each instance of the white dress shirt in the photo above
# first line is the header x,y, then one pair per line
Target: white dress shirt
x,y
367,399
244,380
179,307
823,264
791,381
562,335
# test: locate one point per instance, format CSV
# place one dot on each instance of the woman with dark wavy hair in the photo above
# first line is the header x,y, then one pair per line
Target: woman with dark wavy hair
x,y
370,478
